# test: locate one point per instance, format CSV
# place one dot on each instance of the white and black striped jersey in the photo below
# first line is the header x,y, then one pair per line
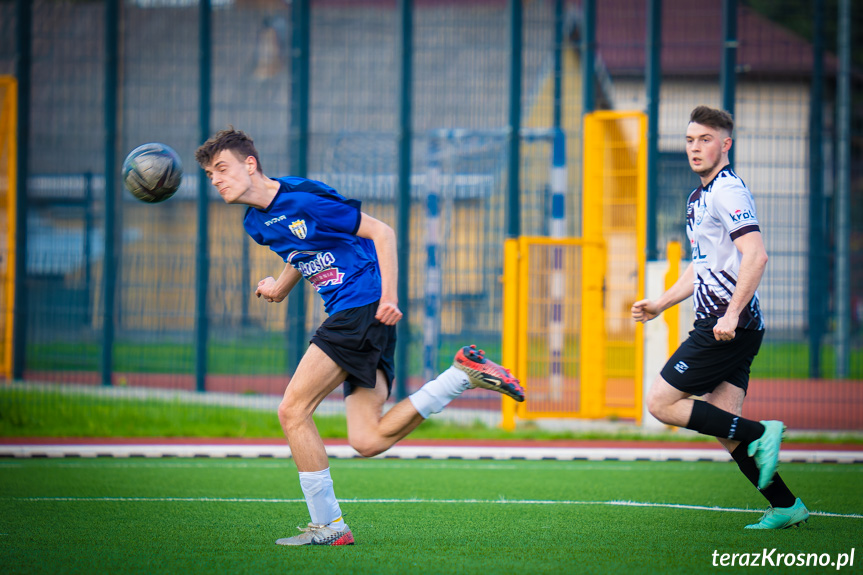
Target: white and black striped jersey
x,y
717,214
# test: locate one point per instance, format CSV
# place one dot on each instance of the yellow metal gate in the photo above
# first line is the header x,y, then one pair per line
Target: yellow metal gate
x,y
567,328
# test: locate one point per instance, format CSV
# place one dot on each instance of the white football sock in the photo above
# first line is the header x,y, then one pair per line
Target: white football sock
x,y
337,524
436,394
321,499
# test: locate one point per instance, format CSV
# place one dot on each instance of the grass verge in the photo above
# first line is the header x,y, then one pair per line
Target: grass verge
x,y
59,412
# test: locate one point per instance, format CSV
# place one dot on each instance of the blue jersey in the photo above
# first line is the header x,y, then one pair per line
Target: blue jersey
x,y
313,228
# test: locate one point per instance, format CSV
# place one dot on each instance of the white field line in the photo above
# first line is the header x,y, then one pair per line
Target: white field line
x,y
412,500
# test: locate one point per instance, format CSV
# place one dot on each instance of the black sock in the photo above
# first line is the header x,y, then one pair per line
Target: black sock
x,y
710,420
777,493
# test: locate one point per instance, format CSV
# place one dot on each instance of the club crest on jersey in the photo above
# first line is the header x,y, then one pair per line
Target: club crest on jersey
x,y
700,210
298,228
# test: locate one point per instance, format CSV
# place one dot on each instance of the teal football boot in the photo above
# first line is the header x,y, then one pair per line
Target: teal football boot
x,y
765,451
782,517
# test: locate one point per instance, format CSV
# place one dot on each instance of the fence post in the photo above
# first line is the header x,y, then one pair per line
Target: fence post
x,y
557,286
843,191
588,56
431,327
296,319
558,212
24,16
404,211
558,63
203,255
109,267
86,316
654,80
817,273
513,187
728,78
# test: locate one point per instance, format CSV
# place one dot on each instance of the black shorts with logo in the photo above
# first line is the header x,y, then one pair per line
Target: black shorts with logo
x,y
701,362
359,344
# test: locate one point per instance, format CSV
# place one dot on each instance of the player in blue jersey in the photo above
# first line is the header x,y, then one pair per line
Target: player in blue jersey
x,y
350,259
728,260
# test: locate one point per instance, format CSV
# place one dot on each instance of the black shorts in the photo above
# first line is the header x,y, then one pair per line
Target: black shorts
x,y
360,345
701,363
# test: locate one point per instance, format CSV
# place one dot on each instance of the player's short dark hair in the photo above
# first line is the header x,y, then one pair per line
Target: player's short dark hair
x,y
712,118
236,141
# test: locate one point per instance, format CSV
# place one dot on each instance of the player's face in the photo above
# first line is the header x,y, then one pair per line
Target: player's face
x,y
707,149
230,175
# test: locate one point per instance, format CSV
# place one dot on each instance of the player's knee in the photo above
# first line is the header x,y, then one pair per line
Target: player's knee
x,y
285,415
366,446
657,407
289,415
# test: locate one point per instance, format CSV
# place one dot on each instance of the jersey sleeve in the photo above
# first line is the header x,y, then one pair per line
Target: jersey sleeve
x,y
335,213
733,205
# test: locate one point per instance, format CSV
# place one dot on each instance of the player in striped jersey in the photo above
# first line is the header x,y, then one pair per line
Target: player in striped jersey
x,y
728,260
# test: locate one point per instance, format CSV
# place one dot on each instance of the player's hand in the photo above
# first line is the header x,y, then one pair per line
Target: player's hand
x,y
645,310
725,328
388,313
267,290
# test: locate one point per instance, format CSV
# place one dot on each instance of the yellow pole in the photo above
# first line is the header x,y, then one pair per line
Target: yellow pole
x,y
511,325
592,338
672,314
9,87
523,280
593,344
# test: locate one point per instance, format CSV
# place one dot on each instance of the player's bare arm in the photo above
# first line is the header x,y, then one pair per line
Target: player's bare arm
x,y
276,290
752,264
384,239
647,309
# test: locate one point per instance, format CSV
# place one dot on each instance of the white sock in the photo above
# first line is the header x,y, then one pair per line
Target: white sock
x,y
321,499
436,394
337,524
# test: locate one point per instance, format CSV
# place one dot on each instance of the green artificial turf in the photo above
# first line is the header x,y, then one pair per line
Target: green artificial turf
x,y
425,516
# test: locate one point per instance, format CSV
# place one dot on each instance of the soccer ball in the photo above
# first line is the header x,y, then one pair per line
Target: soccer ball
x,y
152,172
